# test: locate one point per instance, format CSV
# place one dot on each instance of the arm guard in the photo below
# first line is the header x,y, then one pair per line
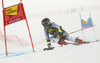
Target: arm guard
x,y
60,31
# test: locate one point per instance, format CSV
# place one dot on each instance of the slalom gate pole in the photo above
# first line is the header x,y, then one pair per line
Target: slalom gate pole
x,y
4,29
92,22
81,24
93,27
30,36
28,30
2,4
79,30
5,41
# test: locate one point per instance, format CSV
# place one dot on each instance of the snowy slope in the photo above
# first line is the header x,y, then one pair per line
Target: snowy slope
x,y
65,13
88,53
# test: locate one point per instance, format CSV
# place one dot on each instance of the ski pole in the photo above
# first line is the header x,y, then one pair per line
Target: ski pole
x,y
79,30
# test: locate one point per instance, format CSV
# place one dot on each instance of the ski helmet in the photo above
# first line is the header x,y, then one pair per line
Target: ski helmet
x,y
46,22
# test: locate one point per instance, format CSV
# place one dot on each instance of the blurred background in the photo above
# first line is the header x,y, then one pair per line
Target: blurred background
x,y
63,12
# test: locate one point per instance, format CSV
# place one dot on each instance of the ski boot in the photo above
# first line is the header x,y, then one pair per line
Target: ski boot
x,y
63,43
80,41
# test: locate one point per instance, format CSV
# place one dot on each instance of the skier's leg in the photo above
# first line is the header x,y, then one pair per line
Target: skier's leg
x,y
71,38
52,39
62,41
75,39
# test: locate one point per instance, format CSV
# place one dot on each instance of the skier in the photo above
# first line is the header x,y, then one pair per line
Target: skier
x,y
57,32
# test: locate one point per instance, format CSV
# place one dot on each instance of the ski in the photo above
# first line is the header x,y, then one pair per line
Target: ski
x,y
86,42
51,48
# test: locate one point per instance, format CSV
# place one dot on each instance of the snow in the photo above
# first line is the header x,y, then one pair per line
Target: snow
x,y
64,13
88,53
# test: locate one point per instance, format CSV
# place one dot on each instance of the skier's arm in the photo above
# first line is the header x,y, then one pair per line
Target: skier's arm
x,y
48,43
47,39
